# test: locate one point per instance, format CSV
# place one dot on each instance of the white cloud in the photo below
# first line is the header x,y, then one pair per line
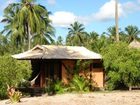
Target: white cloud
x,y
52,2
62,18
130,6
107,11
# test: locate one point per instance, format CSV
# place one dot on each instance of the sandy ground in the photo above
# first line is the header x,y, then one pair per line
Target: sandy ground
x,y
94,98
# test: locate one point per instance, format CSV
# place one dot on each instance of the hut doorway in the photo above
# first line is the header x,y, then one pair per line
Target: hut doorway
x,y
52,71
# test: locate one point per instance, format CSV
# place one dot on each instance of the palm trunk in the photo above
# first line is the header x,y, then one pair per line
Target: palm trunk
x,y
116,20
29,37
81,40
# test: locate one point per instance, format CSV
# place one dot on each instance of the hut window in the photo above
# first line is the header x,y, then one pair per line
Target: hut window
x,y
97,65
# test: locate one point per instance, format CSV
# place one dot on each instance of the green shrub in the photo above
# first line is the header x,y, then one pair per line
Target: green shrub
x,y
12,72
54,87
122,65
59,87
79,84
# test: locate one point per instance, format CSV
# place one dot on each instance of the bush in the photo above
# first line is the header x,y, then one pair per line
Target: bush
x,y
122,65
79,84
59,87
12,72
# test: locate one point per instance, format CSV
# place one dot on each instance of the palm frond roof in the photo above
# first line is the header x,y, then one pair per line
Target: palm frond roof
x,y
58,52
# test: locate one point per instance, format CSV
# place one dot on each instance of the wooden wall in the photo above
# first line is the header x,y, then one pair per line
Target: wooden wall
x,y
67,66
96,70
97,73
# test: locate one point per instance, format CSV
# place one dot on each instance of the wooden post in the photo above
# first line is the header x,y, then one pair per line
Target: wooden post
x,y
90,76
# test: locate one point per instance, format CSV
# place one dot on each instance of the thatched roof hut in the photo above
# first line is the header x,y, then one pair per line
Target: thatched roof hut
x,y
52,61
58,52
134,44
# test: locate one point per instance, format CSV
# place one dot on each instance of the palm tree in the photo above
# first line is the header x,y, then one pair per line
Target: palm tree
x,y
111,32
93,35
132,32
59,40
11,29
90,40
31,19
43,38
76,30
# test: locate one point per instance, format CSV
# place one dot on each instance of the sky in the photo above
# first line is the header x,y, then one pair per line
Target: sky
x,y
96,15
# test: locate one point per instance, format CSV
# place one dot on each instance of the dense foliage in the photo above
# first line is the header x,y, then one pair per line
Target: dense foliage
x,y
122,65
12,72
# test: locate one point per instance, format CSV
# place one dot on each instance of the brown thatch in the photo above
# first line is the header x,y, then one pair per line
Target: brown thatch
x,y
58,52
134,44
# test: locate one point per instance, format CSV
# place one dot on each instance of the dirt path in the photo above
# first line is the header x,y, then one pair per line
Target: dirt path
x,y
95,98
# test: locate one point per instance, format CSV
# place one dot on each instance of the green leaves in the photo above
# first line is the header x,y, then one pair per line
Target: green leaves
x,y
59,87
79,84
76,32
12,72
24,20
122,65
132,32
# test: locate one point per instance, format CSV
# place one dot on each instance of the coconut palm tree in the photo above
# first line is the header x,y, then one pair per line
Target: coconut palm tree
x,y
76,30
132,33
31,19
91,40
59,40
43,38
11,29
111,32
93,35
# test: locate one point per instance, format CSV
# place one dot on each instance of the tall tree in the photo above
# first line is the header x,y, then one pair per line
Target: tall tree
x,y
11,29
59,40
111,32
132,33
91,39
31,19
76,30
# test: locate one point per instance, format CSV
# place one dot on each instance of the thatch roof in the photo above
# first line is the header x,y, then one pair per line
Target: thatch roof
x,y
58,52
134,44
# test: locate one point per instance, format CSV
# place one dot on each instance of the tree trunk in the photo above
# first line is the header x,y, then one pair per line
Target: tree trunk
x,y
29,37
116,20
